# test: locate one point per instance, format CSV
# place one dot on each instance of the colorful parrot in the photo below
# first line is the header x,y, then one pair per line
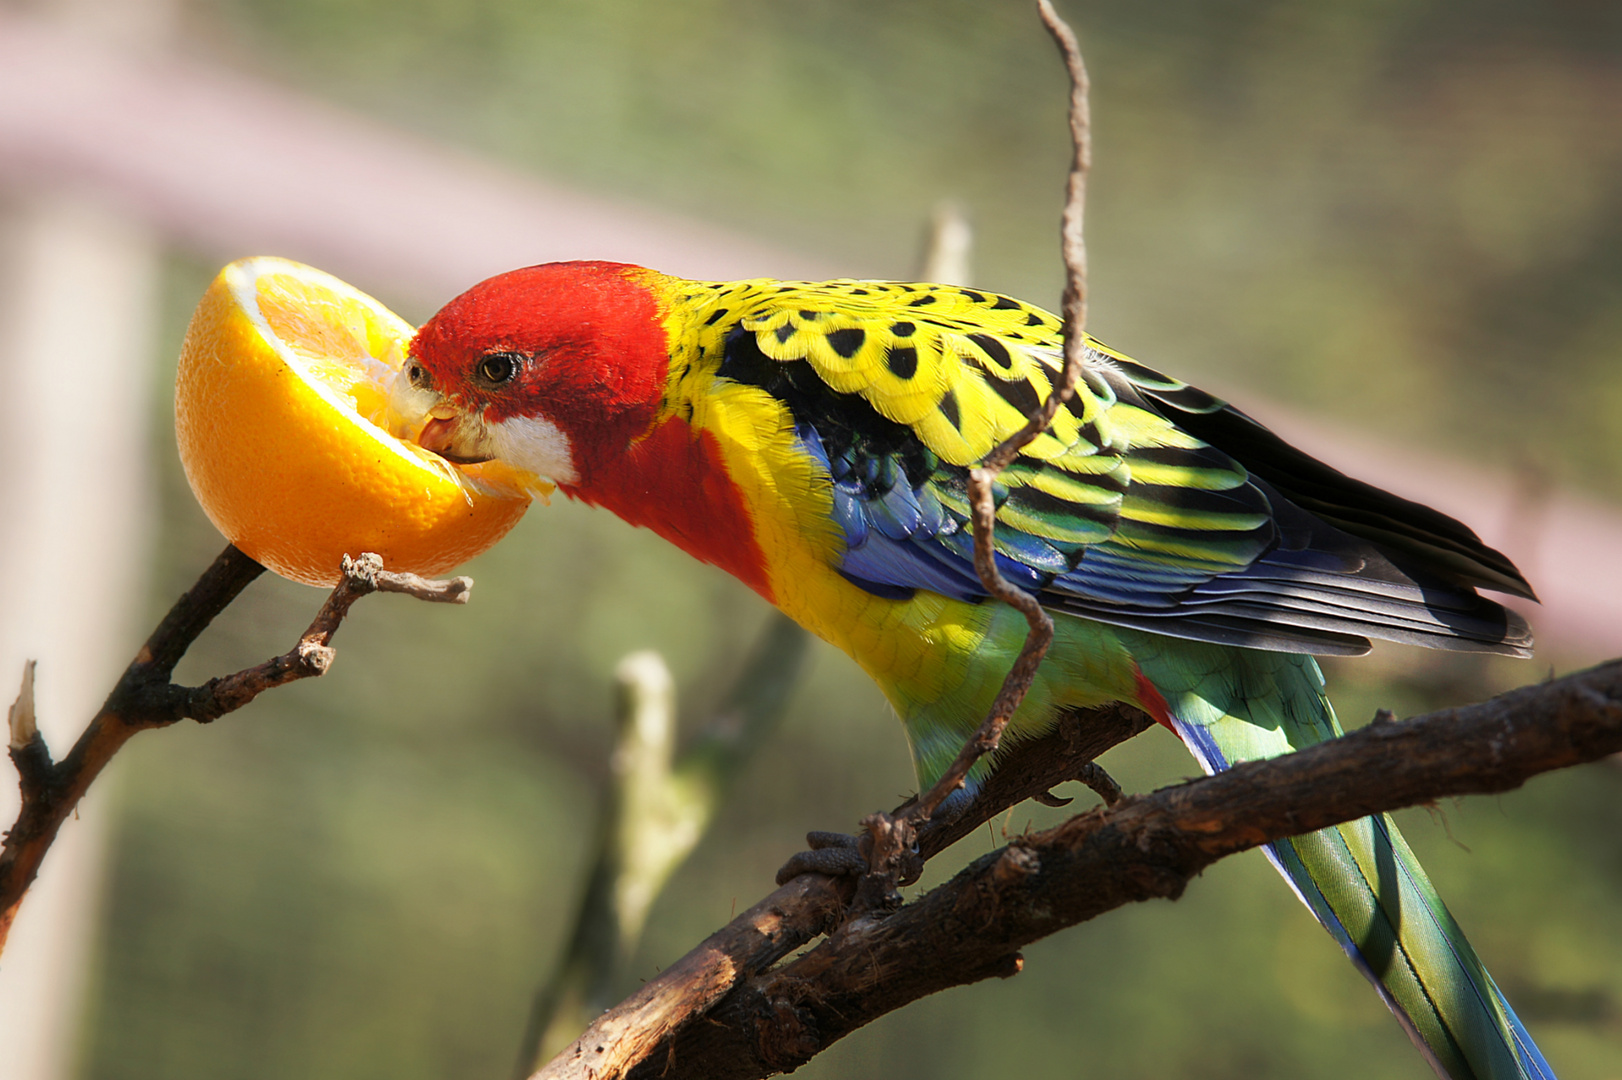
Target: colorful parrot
x,y
814,440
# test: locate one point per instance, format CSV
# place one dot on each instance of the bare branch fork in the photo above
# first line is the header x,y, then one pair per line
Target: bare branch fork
x,y
1142,848
145,697
891,837
729,1010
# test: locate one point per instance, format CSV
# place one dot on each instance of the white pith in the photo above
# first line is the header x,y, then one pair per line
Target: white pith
x,y
243,278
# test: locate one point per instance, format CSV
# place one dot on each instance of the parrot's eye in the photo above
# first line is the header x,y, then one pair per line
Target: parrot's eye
x,y
498,368
417,374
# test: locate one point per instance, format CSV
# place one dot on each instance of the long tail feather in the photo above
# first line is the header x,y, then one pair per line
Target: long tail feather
x,y
1360,880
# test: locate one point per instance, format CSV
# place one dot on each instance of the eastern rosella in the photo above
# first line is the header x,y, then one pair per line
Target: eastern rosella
x,y
814,441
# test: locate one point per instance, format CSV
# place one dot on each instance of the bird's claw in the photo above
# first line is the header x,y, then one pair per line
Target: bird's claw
x,y
832,853
843,855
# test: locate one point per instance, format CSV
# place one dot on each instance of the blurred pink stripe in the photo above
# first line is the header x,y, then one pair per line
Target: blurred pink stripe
x,y
235,167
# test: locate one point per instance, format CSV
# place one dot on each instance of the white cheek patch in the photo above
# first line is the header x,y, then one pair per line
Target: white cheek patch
x,y
534,445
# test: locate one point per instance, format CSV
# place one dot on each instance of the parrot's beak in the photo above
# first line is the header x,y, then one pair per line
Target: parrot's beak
x,y
431,420
531,448
441,435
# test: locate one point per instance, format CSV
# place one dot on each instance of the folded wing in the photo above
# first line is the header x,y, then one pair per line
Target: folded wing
x,y
1148,504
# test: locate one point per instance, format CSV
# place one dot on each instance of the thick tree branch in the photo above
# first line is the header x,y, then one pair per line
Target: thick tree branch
x,y
812,904
720,1014
632,1032
146,698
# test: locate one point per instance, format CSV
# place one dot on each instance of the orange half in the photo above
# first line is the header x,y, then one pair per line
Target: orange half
x,y
283,417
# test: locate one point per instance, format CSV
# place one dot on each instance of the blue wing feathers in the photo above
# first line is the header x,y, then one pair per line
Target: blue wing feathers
x,y
1321,595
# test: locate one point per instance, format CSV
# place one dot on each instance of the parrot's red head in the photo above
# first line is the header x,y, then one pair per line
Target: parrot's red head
x,y
550,369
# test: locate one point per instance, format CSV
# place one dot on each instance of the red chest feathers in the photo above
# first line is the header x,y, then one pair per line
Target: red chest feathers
x,y
674,482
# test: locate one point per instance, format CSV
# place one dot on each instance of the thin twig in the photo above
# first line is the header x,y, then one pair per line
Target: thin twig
x,y
146,698
21,723
311,656
1018,682
891,837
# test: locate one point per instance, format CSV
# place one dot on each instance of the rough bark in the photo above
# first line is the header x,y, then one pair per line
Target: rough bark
x,y
725,1012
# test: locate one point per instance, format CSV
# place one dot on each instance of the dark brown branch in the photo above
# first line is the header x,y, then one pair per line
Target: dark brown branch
x,y
629,1033
1031,768
154,705
811,904
219,585
1147,847
145,698
890,836
51,790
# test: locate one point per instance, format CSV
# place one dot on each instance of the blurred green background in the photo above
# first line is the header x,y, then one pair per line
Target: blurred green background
x,y
1402,214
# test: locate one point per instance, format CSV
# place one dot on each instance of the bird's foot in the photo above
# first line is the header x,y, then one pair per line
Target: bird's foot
x,y
843,855
833,853
1103,784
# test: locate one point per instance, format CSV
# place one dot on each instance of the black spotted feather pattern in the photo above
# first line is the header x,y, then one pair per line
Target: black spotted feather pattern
x,y
1147,504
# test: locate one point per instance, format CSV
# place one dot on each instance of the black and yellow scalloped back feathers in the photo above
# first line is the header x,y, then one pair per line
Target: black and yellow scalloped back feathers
x,y
1129,509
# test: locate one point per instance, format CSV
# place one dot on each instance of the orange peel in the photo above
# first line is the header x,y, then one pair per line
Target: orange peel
x,y
290,443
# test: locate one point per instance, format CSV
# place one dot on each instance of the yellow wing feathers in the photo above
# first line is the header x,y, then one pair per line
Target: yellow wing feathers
x,y
886,393
961,367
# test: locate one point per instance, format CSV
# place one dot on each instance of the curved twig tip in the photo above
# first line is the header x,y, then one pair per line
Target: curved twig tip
x,y
20,718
